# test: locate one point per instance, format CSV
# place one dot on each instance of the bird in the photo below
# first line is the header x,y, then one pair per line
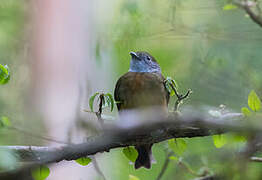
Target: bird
x,y
143,86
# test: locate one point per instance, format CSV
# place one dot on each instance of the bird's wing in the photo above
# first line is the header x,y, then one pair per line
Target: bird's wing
x,y
118,95
131,83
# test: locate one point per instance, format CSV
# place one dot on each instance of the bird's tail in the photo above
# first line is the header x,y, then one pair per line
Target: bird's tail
x,y
144,156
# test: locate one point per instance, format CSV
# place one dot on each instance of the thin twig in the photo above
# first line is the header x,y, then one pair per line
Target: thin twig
x,y
188,169
247,7
181,164
115,136
180,97
37,136
165,165
100,109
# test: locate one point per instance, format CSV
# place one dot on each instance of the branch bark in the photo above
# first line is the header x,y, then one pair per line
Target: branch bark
x,y
256,159
247,6
115,136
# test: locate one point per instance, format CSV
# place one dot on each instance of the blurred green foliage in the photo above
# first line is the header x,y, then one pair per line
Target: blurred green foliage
x,y
178,146
254,102
219,140
40,173
130,153
209,46
8,159
202,46
14,48
4,74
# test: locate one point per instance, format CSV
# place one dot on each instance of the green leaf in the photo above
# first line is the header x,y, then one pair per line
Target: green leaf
x,y
4,122
84,161
245,111
239,138
173,158
229,7
177,145
253,101
130,153
40,173
169,88
110,101
168,84
4,74
172,93
174,83
219,140
132,177
91,101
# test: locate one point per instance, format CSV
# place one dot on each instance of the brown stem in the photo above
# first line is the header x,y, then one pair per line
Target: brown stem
x,y
100,109
165,165
180,97
255,17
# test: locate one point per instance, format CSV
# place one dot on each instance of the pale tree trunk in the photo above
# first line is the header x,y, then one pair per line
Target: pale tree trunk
x,y
64,71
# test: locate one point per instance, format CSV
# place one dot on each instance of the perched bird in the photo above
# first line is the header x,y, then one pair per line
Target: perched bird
x,y
142,87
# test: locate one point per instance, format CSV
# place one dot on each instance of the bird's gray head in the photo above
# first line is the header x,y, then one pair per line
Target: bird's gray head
x,y
143,62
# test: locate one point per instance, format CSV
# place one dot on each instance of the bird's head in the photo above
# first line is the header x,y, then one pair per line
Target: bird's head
x,y
143,62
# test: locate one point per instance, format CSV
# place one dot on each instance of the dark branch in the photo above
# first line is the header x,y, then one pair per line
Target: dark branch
x,y
115,136
180,97
248,8
100,109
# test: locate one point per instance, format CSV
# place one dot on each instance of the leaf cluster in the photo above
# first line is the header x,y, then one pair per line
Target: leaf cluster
x,y
106,100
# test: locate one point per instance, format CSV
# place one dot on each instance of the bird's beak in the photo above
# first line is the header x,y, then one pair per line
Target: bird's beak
x,y
134,55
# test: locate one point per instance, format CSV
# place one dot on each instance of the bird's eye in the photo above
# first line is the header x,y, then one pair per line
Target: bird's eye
x,y
148,58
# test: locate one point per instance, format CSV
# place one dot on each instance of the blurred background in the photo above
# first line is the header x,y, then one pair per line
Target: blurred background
x,y
61,52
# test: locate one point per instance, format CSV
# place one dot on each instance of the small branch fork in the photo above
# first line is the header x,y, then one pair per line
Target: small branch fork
x,y
180,97
248,6
98,113
256,17
180,164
